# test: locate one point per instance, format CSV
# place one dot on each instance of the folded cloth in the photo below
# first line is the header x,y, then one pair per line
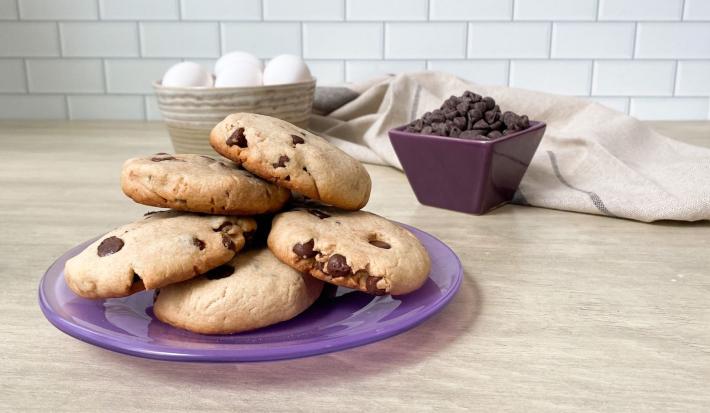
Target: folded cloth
x,y
592,159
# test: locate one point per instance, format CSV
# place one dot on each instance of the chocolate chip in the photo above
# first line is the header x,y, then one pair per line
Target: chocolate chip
x,y
491,116
287,178
223,271
162,153
337,266
380,244
497,125
371,286
198,243
305,250
462,108
480,124
163,158
320,214
450,114
225,226
427,130
136,278
460,122
437,115
481,106
110,245
455,132
297,139
237,138
149,213
524,122
282,162
490,103
509,118
207,157
227,242
495,134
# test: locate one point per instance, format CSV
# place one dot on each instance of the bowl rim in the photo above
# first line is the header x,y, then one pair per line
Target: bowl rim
x,y
157,85
534,126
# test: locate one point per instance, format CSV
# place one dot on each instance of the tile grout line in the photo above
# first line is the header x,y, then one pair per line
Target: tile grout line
x,y
179,9
682,11
596,19
675,78
636,35
512,10
26,70
103,76
384,40
220,38
466,40
98,9
551,36
139,38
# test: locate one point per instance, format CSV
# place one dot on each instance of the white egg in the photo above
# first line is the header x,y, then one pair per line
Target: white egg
x,y
187,74
239,73
286,68
237,56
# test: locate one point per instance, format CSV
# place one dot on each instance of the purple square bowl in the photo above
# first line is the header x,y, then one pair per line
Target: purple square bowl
x,y
465,175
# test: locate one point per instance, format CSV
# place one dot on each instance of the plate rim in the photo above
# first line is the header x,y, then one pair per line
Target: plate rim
x,y
150,351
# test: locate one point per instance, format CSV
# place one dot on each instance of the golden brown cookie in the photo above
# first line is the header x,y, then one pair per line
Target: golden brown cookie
x,y
199,183
293,158
163,248
253,290
353,249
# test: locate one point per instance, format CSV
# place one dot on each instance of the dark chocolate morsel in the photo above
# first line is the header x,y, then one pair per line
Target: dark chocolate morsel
x,y
282,162
455,132
136,278
371,286
490,103
320,214
337,266
491,116
223,271
380,244
427,130
227,242
305,250
460,122
225,226
163,158
237,138
110,245
198,243
297,139
480,124
497,125
495,134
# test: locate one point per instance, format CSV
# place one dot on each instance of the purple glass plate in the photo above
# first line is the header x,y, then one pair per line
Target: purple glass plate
x,y
350,319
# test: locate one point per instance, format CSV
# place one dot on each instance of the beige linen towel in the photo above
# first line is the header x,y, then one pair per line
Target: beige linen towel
x,y
592,159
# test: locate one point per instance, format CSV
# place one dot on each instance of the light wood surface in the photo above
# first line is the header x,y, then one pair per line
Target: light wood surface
x,y
558,311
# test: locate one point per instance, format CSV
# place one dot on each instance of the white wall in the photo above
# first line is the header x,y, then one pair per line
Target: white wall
x,y
87,59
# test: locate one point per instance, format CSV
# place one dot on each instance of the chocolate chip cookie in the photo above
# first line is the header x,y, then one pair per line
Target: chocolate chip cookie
x,y
161,249
199,183
293,158
253,290
358,250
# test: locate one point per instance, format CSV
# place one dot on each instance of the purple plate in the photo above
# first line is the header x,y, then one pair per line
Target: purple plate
x,y
127,325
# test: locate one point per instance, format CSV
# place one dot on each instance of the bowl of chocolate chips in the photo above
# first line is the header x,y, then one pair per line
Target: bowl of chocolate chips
x,y
468,155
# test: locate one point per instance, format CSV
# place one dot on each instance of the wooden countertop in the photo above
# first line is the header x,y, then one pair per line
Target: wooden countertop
x,y
558,311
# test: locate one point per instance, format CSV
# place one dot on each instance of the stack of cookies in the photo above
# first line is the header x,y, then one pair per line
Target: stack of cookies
x,y
205,256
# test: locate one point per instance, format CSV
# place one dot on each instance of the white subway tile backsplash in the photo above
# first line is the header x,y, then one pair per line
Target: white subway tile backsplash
x,y
693,78
65,76
106,107
555,9
640,9
566,77
648,57
697,10
304,10
38,39
58,9
616,103
357,71
673,40
99,39
327,72
470,9
179,39
262,39
386,10
638,78
593,40
32,107
139,9
669,108
13,76
221,9
425,40
485,72
135,75
152,111
342,40
508,40
8,10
